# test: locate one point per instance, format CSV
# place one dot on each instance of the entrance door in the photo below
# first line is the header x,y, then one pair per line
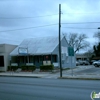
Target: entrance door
x,y
36,61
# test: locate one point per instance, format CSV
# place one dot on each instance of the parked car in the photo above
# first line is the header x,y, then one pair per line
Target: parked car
x,y
84,62
91,62
96,63
77,63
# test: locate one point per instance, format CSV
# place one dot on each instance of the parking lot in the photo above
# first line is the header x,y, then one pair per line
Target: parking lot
x,y
90,69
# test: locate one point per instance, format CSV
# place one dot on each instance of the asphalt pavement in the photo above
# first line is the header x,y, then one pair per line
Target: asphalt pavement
x,y
80,72
12,88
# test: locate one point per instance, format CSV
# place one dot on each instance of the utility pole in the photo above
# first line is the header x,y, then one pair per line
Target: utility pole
x,y
60,62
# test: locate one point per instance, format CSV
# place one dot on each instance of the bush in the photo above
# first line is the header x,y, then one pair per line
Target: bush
x,y
28,68
46,67
31,68
24,68
12,68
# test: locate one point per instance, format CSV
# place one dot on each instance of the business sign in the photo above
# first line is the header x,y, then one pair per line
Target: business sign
x,y
70,51
22,50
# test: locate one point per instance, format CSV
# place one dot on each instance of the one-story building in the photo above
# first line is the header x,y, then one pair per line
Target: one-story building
x,y
41,51
5,50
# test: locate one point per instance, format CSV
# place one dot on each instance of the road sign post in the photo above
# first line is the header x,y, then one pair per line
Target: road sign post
x,y
71,54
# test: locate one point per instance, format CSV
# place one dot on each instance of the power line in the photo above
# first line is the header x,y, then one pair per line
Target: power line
x,y
81,13
78,28
27,17
29,28
81,23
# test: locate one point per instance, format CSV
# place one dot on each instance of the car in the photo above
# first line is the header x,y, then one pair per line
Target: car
x,y
96,63
91,62
84,62
77,63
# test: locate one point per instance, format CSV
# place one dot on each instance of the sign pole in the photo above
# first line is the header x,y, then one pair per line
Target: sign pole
x,y
71,54
71,66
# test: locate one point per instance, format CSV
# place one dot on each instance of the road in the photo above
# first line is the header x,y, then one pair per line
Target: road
x,y
46,89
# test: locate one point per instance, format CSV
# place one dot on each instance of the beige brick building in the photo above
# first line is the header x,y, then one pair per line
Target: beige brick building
x,y
5,50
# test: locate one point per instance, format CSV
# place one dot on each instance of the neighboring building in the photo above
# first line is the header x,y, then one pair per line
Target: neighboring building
x,y
5,50
95,58
83,56
42,51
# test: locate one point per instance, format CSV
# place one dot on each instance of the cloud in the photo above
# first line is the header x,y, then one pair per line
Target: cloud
x,y
73,11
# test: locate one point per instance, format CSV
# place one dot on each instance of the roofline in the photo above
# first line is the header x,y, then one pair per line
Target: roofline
x,y
32,54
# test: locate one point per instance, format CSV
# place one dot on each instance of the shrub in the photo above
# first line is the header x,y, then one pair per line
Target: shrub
x,y
31,68
28,68
46,67
24,67
12,68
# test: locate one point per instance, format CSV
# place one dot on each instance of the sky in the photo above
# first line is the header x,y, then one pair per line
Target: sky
x,y
21,19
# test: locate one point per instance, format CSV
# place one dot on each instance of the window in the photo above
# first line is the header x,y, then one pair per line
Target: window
x,y
55,58
1,61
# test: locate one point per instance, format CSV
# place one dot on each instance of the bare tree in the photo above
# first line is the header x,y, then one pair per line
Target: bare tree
x,y
97,35
78,41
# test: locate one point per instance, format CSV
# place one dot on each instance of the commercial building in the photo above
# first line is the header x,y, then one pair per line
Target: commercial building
x,y
83,56
5,50
42,51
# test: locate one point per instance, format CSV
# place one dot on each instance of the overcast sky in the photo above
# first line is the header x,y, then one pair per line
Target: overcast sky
x,y
21,14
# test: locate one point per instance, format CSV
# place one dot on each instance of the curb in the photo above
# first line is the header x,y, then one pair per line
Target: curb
x,y
20,76
82,78
79,78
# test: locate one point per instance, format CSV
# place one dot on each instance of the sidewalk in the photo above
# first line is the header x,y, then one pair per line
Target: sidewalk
x,y
86,76
81,77
35,74
66,74
25,74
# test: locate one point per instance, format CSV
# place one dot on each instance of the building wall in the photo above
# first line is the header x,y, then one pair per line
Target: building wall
x,y
82,57
5,50
36,60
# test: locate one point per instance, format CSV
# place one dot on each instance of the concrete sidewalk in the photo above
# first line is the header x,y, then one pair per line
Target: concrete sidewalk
x,y
24,74
47,75
83,77
66,74
86,76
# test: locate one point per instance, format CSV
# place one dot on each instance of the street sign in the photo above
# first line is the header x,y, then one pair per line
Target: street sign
x,y
70,51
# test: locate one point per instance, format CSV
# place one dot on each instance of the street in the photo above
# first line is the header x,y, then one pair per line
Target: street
x,y
14,88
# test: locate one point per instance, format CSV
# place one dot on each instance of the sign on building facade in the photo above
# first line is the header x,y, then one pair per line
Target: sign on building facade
x,y
22,50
